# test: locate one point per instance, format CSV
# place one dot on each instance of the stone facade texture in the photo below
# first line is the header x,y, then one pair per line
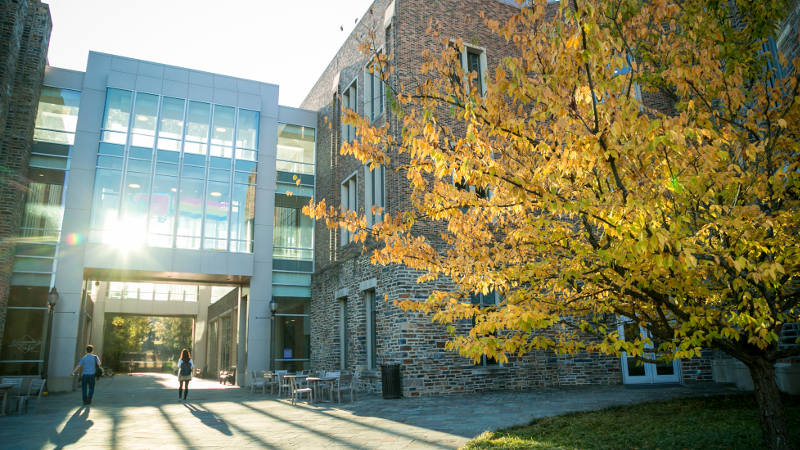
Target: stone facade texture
x,y
24,39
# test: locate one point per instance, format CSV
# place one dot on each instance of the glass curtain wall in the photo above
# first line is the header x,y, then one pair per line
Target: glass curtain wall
x,y
175,173
293,247
33,268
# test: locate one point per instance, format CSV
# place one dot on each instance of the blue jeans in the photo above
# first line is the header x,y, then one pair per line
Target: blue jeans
x,y
87,380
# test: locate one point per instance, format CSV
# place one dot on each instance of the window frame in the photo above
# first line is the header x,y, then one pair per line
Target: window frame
x,y
371,312
485,361
371,178
482,65
369,89
350,93
349,189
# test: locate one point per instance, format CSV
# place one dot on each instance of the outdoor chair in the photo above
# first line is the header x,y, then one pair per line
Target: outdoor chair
x,y
34,391
201,373
17,383
257,382
342,385
298,391
323,385
269,380
282,383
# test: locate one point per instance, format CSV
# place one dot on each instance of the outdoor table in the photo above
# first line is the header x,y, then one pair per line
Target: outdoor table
x,y
5,388
316,381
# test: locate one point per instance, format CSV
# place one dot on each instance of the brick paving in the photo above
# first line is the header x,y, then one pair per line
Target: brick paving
x,y
140,412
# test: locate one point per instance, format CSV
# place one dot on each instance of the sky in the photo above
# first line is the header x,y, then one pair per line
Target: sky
x,y
281,42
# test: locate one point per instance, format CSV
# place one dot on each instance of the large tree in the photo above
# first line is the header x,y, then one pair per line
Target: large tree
x,y
635,160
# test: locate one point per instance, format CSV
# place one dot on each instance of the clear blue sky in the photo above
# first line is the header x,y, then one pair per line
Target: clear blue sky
x,y
288,43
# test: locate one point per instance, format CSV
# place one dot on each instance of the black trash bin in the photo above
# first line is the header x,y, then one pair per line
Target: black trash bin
x,y
390,378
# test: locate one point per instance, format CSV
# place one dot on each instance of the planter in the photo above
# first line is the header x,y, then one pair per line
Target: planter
x,y
743,378
718,370
788,378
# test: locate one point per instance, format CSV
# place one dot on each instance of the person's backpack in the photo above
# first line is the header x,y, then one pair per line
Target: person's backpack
x,y
98,372
186,368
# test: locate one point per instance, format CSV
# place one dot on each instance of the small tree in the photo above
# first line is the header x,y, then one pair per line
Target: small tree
x,y
601,207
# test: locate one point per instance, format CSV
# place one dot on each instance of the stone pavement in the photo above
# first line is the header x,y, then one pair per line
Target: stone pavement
x,y
141,412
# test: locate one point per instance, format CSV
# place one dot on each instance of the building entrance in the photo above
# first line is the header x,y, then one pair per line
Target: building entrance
x,y
148,344
635,373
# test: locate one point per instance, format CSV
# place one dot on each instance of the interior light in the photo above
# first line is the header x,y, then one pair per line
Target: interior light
x,y
134,185
215,194
221,130
174,190
142,118
41,175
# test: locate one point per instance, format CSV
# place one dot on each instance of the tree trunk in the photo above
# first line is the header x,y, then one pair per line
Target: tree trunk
x,y
770,408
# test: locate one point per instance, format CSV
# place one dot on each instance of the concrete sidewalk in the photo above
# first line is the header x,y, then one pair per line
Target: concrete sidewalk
x,y
141,412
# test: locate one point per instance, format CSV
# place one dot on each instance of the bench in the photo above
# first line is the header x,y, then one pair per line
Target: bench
x,y
228,376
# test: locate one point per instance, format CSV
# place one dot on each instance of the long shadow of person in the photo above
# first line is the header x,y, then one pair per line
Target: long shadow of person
x,y
208,419
76,427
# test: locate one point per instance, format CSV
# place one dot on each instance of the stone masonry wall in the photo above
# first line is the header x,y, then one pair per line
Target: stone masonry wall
x,y
24,39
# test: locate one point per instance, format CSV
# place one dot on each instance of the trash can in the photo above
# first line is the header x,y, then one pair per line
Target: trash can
x,y
390,378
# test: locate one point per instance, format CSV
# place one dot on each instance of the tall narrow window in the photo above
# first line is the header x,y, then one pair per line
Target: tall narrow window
x,y
473,61
348,202
374,189
373,92
485,301
343,333
372,352
349,97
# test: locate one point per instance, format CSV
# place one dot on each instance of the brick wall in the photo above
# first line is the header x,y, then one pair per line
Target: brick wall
x,y
24,39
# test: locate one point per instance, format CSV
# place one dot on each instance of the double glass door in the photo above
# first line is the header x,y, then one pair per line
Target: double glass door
x,y
635,373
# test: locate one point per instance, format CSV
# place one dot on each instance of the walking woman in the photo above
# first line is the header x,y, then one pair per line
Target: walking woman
x,y
185,370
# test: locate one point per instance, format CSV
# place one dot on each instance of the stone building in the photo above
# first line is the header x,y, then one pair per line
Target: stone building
x,y
24,39
352,327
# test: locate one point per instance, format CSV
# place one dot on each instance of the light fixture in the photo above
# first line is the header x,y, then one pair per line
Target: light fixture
x,y
273,305
215,194
174,190
134,185
41,174
142,118
221,130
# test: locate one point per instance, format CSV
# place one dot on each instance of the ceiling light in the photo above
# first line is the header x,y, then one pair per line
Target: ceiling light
x,y
142,118
221,130
174,190
41,175
134,185
215,194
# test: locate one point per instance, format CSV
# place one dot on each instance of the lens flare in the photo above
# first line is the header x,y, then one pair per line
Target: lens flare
x,y
74,239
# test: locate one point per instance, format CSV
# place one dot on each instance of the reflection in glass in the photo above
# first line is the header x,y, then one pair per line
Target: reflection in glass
x,y
190,214
247,134
293,231
216,224
23,338
171,118
292,346
44,209
134,206
296,143
197,128
118,109
105,204
145,111
243,214
162,211
57,116
222,133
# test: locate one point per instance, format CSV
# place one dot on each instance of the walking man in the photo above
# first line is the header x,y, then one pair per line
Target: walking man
x,y
88,364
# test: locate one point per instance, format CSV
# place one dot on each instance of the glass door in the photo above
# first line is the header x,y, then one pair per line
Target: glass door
x,y
634,373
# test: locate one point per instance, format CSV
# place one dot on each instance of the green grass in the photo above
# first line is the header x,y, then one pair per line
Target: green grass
x,y
718,422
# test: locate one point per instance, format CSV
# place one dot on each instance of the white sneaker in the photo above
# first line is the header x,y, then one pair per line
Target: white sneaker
x,y
180,399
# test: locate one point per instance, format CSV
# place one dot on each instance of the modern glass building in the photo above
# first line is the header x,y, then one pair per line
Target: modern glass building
x,y
154,191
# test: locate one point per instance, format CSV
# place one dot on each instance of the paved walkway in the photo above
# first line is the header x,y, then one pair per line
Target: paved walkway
x,y
140,412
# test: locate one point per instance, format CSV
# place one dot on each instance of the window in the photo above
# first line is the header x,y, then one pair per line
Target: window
x,y
293,231
485,301
343,333
57,116
473,60
217,292
374,187
175,174
296,149
374,96
225,345
349,101
372,352
348,202
151,291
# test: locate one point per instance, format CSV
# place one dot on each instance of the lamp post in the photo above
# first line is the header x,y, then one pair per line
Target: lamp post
x,y
273,307
52,299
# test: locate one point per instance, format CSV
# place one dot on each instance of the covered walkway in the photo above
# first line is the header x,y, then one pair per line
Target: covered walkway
x,y
141,412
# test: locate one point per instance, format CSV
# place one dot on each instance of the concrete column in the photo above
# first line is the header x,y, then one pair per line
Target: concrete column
x,y
200,344
243,373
